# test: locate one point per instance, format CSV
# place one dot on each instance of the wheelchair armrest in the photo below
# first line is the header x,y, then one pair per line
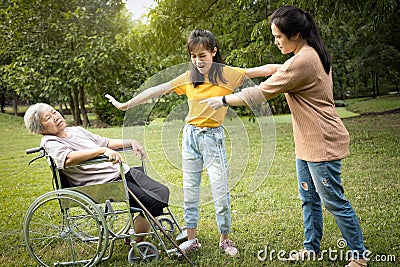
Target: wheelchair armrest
x,y
99,159
95,160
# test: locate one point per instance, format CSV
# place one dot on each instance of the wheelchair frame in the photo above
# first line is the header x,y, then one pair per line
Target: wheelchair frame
x,y
79,225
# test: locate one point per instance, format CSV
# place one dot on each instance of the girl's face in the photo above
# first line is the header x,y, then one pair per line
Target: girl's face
x,y
52,122
202,58
285,44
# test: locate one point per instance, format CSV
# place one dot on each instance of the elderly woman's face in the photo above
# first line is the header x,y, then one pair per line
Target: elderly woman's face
x,y
52,122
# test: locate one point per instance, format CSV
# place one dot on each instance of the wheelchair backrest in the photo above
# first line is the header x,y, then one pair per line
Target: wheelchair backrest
x,y
60,181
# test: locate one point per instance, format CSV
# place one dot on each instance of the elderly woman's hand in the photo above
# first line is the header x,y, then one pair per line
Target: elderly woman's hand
x,y
113,155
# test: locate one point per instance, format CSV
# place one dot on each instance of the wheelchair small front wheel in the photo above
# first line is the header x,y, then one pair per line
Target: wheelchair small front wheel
x,y
167,224
143,251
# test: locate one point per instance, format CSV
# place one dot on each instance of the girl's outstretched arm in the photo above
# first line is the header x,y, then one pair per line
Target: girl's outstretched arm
x,y
142,97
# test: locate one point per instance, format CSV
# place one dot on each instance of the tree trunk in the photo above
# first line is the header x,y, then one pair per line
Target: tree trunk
x,y
373,85
77,117
3,102
60,108
86,121
376,80
71,104
15,104
364,84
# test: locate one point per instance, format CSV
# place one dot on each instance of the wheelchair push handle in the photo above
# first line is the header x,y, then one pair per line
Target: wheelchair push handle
x,y
35,150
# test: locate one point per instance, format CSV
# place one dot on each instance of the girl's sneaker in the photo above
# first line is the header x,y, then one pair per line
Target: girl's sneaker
x,y
190,246
229,248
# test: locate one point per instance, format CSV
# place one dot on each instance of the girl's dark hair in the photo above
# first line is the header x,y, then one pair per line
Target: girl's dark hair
x,y
291,20
207,40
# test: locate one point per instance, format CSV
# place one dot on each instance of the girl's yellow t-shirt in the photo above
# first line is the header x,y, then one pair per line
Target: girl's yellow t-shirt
x,y
202,115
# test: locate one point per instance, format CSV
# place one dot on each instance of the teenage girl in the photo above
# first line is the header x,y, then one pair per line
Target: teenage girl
x,y
203,142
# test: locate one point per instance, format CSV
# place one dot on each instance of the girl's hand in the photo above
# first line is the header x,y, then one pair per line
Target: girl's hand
x,y
138,149
214,102
117,104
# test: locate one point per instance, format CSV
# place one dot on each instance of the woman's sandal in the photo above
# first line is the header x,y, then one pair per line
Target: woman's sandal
x,y
356,263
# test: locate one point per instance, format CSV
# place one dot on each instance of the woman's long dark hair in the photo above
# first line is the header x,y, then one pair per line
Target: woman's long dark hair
x,y
291,20
207,40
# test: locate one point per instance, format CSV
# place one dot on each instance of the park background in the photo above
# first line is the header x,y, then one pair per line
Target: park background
x,y
70,53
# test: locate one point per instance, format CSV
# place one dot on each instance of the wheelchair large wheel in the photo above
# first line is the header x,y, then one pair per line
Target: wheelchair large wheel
x,y
117,217
143,251
65,227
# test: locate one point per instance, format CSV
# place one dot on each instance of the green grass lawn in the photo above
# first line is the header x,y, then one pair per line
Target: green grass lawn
x,y
379,104
268,218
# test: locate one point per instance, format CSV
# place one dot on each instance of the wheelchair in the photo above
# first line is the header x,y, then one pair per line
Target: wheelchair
x,y
79,225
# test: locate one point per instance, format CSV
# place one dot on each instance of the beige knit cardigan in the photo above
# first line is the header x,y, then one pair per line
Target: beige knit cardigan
x,y
319,133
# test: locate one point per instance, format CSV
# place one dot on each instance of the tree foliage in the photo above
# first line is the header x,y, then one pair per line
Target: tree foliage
x,y
64,51
76,51
362,36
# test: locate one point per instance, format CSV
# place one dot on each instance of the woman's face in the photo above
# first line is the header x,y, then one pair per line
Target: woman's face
x,y
284,44
202,58
52,122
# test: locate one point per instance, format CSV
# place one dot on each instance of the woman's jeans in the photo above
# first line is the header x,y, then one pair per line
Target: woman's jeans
x,y
321,181
205,147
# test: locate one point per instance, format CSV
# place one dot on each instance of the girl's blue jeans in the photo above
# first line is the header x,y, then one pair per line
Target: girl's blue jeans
x,y
321,181
205,147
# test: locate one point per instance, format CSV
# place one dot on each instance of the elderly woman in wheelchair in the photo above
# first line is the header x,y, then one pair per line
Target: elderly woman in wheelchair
x,y
69,147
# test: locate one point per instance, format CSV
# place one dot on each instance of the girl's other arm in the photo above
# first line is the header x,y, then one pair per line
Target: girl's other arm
x,y
142,97
266,70
122,143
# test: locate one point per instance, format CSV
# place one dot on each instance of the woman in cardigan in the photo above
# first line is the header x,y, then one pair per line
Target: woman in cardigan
x,y
321,139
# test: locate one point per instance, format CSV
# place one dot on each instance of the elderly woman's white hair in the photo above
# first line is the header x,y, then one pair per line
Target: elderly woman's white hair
x,y
32,118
